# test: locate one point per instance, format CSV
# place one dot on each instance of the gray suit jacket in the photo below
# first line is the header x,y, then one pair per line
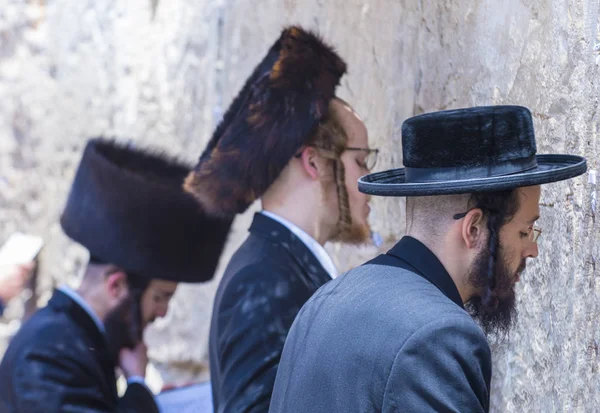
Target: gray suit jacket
x,y
389,336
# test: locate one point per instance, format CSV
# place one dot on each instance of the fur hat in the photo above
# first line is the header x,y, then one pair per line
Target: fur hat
x,y
127,208
284,99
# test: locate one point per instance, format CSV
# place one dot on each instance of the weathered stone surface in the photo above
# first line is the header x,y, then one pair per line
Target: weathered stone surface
x,y
69,70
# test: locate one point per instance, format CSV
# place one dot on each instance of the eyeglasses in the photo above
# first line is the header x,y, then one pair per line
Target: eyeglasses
x,y
533,232
370,159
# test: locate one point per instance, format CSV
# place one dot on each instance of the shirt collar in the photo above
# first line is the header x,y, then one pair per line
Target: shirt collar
x,y
426,264
317,249
71,293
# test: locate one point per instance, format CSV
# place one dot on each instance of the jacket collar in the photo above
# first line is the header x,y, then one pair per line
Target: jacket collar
x,y
317,249
426,264
61,302
73,295
277,233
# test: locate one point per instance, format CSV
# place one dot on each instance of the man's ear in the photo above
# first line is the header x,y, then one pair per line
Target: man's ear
x,y
310,162
116,283
473,228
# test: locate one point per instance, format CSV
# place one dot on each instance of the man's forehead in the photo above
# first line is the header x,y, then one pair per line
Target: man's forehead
x,y
351,122
164,286
345,108
529,203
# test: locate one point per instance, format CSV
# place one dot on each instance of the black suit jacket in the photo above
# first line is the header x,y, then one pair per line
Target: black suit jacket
x,y
264,286
59,362
389,336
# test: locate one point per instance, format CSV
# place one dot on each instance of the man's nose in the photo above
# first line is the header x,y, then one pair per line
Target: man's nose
x,y
161,312
532,250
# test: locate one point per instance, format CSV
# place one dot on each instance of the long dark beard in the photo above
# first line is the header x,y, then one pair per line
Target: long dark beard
x,y
123,326
498,315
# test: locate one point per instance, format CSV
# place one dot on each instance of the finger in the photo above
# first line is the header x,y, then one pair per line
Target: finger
x,y
23,275
27,267
124,352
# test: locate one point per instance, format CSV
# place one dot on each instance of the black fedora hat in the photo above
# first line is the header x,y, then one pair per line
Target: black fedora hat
x,y
481,149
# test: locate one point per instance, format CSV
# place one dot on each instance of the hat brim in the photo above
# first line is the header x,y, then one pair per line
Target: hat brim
x,y
551,168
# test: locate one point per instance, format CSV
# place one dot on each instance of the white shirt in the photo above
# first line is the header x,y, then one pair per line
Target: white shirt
x,y
312,244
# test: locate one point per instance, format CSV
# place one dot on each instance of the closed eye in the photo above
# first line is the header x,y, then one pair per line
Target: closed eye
x,y
362,164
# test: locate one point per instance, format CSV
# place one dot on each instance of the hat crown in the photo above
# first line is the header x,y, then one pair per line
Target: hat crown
x,y
128,208
473,137
275,113
482,149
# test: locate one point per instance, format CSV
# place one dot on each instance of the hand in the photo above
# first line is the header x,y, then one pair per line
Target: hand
x,y
133,362
13,279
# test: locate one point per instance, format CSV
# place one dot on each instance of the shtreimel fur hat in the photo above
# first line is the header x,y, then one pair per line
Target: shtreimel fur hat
x,y
282,102
127,207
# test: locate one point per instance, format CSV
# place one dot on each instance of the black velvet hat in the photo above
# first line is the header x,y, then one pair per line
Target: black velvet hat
x,y
128,208
478,149
274,114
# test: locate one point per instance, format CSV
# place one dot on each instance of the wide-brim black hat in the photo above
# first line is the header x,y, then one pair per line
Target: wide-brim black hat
x,y
272,117
480,149
128,208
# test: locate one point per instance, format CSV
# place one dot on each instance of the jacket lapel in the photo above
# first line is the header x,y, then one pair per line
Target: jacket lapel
x,y
61,302
277,233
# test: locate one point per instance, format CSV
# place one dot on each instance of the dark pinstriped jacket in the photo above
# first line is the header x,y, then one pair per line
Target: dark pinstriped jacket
x,y
264,286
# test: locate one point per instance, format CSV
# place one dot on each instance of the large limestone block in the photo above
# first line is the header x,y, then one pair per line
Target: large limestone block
x,y
69,70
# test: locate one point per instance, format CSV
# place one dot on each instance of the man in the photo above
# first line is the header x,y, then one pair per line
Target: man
x,y
288,141
395,335
128,209
13,278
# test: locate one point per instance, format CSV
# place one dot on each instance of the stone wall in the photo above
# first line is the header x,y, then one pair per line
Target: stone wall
x,y
162,73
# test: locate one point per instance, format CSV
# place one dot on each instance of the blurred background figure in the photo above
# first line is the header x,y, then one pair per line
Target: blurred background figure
x,y
128,209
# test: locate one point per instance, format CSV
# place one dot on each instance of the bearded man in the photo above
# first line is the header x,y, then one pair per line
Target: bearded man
x,y
395,335
287,140
128,209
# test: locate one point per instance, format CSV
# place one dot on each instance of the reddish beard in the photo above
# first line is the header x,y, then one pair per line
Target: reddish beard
x,y
347,230
354,233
